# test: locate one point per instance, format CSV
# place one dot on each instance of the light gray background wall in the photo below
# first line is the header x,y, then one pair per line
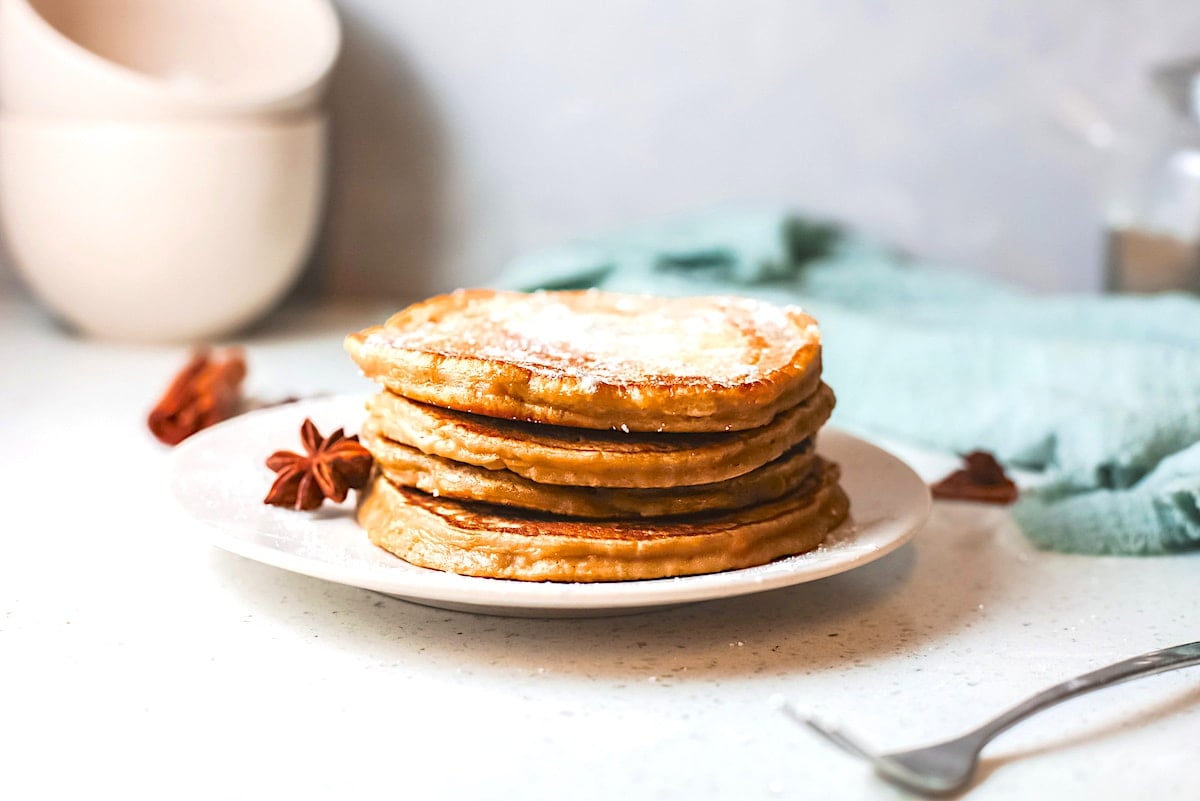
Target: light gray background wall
x,y
468,130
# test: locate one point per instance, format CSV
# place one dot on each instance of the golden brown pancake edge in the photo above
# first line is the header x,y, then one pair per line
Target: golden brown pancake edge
x,y
441,352
490,541
407,466
580,457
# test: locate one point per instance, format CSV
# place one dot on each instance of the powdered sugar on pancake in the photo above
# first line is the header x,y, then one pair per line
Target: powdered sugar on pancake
x,y
609,339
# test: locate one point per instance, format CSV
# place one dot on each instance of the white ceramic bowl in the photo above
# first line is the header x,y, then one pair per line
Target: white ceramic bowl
x,y
165,58
156,231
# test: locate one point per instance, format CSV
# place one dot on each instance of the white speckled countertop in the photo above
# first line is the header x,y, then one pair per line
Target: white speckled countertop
x,y
139,662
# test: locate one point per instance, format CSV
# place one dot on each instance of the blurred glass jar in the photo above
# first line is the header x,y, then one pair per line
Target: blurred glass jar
x,y
1154,214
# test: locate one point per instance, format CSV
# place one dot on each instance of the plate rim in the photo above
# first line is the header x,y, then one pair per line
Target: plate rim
x,y
431,587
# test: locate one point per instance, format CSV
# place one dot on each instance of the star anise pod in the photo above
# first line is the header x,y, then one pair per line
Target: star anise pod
x,y
334,465
982,479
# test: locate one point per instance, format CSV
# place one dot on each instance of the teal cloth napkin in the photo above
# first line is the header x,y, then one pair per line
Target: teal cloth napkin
x,y
1100,394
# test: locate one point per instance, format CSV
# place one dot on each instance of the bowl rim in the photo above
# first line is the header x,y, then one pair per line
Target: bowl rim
x,y
201,96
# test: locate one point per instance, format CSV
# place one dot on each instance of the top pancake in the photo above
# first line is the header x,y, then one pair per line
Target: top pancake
x,y
598,360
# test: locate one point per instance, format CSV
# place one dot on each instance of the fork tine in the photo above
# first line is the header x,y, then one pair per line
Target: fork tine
x,y
830,733
840,739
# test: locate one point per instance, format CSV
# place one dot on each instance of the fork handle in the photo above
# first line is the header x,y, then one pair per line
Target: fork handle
x,y
1148,664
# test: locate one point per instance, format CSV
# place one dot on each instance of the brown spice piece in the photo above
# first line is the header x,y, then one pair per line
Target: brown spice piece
x,y
982,480
334,465
205,392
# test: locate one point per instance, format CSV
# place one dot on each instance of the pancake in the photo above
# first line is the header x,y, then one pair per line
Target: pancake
x,y
407,466
587,458
598,360
497,542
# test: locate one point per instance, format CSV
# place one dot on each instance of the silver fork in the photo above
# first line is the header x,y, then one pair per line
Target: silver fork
x,y
943,768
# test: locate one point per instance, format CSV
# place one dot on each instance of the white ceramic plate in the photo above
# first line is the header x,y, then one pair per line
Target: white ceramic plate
x,y
219,478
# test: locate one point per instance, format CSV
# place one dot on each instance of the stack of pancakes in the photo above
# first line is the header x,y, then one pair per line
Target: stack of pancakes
x,y
595,436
